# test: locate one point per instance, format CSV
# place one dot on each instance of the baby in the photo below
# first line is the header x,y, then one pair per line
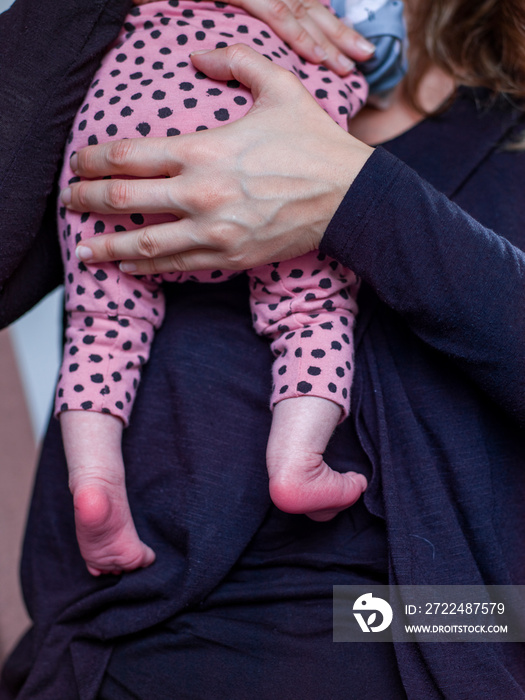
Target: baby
x,y
147,86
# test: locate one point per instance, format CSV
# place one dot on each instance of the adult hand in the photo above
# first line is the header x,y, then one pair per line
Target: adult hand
x,y
258,190
312,31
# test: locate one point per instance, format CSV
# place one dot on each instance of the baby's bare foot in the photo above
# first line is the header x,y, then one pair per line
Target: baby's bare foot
x,y
318,492
300,479
106,534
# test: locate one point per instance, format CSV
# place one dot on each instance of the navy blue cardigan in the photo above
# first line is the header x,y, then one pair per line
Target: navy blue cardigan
x,y
48,53
438,400
439,394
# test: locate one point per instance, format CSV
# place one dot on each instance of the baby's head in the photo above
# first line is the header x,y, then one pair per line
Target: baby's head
x,y
382,23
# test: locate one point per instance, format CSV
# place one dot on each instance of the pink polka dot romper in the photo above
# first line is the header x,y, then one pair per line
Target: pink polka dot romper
x,y
147,86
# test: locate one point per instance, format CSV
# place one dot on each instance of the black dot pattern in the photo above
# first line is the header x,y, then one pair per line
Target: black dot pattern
x,y
302,325
147,86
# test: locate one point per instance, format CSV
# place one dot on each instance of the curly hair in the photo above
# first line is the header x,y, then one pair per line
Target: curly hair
x,y
481,43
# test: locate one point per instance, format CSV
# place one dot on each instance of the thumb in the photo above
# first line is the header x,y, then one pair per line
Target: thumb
x,y
239,62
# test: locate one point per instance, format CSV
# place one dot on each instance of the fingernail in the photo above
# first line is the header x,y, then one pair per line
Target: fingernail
x,y
127,267
65,196
365,45
345,62
73,162
200,51
319,51
83,252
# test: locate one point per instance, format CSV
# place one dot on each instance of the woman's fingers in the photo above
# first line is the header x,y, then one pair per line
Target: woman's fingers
x,y
266,81
122,196
198,259
158,249
149,243
312,31
344,38
138,157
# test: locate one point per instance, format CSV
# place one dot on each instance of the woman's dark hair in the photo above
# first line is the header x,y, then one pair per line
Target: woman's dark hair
x,y
481,43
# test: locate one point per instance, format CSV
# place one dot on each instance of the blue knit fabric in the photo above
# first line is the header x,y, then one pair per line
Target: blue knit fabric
x,y
385,28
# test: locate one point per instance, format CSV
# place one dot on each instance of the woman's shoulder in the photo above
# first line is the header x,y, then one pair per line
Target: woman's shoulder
x,y
476,133
472,116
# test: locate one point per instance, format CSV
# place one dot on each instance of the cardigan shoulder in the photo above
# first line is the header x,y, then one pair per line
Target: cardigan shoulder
x,y
448,260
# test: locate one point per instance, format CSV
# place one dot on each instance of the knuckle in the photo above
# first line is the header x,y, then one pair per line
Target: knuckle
x,y
239,52
109,248
213,202
80,195
153,267
232,250
236,262
239,55
147,244
176,263
340,32
220,237
302,35
298,8
116,194
239,259
211,196
210,154
85,159
279,10
118,153
310,5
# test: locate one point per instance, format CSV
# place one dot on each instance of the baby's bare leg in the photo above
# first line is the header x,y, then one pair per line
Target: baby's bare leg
x,y
106,534
300,479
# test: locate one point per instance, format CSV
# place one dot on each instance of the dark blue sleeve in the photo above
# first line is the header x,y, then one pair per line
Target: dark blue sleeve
x,y
459,285
48,53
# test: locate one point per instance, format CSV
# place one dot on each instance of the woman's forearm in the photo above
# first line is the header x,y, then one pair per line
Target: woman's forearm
x,y
459,285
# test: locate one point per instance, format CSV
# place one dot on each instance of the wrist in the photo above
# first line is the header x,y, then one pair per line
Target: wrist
x,y
347,236
347,160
